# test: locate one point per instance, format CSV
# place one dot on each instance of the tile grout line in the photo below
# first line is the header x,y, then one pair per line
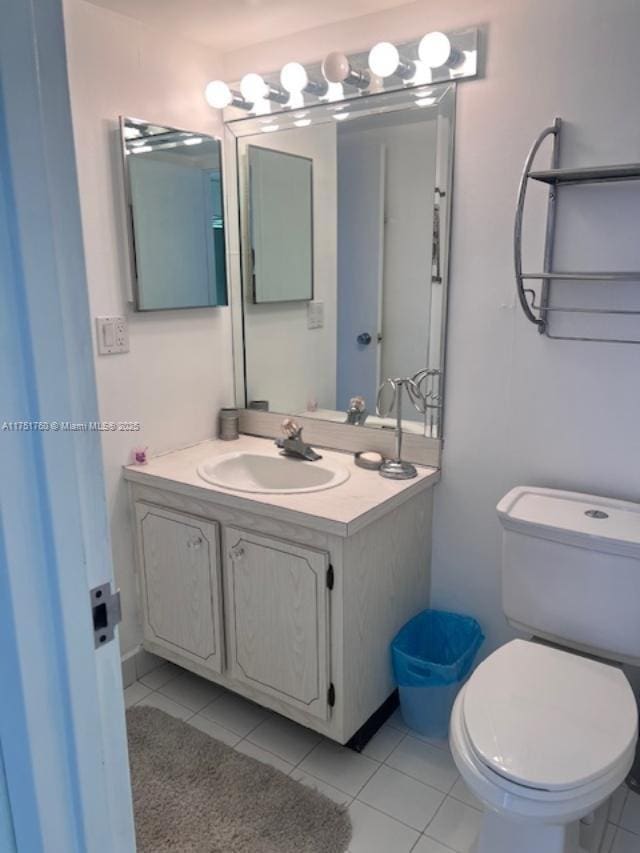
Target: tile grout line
x,y
296,766
354,798
617,827
435,814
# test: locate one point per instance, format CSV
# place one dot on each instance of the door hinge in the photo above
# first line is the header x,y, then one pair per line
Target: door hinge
x,y
107,613
331,695
330,577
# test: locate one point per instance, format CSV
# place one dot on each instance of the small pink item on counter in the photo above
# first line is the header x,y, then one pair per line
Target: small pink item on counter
x,y
140,455
312,405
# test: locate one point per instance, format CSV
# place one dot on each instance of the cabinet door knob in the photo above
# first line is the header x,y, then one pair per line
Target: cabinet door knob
x,y
195,543
237,551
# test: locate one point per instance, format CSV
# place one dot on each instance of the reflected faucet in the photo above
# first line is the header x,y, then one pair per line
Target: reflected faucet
x,y
292,443
357,412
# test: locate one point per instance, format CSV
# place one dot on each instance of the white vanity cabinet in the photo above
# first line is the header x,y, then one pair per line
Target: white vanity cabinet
x,y
180,584
277,609
291,601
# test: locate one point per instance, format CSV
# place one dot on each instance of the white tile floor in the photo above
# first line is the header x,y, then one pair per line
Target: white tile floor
x,y
404,792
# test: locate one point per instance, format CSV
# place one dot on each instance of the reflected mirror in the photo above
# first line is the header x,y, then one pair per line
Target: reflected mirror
x,y
176,216
281,229
380,174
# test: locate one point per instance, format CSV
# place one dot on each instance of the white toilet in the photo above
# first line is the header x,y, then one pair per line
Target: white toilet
x,y
545,730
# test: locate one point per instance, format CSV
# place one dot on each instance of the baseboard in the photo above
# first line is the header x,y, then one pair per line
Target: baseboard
x,y
138,662
364,734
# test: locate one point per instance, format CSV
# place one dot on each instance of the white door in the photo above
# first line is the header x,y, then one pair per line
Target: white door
x,y
62,733
179,559
278,618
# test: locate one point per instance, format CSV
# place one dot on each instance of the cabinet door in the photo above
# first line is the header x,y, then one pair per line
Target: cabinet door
x,y
181,588
278,618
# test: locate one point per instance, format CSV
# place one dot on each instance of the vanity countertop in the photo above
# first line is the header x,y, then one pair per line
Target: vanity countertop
x,y
342,510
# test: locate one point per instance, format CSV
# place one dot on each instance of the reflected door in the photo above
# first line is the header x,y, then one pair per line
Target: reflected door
x,y
361,179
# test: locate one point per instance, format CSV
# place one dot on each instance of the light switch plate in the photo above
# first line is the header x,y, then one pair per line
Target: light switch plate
x,y
112,334
315,314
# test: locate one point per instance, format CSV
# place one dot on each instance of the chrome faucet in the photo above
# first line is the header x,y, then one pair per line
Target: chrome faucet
x,y
357,412
292,443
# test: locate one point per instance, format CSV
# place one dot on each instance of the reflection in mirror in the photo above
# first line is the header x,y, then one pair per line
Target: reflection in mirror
x,y
174,191
281,211
381,205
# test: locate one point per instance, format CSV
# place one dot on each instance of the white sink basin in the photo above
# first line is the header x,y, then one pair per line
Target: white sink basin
x,y
271,475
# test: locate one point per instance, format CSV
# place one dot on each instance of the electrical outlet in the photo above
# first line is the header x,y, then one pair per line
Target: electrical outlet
x,y
315,314
112,334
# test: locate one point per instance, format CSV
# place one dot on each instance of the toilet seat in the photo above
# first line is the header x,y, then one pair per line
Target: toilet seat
x,y
548,721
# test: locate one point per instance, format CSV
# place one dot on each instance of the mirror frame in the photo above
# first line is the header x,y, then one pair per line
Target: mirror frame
x,y
342,435
133,291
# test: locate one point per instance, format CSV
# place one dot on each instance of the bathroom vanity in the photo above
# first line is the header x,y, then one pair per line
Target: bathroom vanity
x,y
289,599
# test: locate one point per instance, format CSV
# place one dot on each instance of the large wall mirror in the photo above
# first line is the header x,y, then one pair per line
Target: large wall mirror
x,y
175,216
374,177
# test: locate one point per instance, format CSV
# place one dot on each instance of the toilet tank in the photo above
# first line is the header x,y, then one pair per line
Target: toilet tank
x,y
571,570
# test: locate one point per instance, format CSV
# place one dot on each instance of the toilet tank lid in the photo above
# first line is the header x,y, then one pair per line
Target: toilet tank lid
x,y
586,521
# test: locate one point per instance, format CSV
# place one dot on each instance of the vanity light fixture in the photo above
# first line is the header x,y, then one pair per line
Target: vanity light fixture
x,y
337,69
435,50
254,88
295,80
218,95
434,58
465,66
335,92
385,61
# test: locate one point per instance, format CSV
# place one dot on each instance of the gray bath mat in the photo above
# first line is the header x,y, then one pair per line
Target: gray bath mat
x,y
193,794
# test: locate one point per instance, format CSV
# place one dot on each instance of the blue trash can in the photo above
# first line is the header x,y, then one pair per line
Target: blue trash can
x,y
432,656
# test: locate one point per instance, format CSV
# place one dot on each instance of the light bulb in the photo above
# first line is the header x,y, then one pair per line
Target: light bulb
x,y
217,94
384,59
434,49
336,67
335,92
253,87
262,107
193,140
294,77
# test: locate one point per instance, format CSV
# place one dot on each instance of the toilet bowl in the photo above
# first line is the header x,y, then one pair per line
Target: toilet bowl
x,y
542,737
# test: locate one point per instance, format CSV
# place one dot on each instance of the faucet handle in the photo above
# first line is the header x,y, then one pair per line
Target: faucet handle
x,y
290,428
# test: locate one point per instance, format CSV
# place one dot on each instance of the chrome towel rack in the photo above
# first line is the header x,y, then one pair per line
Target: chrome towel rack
x,y
539,313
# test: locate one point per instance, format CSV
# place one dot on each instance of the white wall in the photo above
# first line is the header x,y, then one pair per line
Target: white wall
x,y
520,408
179,369
286,362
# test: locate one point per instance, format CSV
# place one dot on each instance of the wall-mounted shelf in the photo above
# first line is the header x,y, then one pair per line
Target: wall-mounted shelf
x,y
539,313
584,276
589,174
